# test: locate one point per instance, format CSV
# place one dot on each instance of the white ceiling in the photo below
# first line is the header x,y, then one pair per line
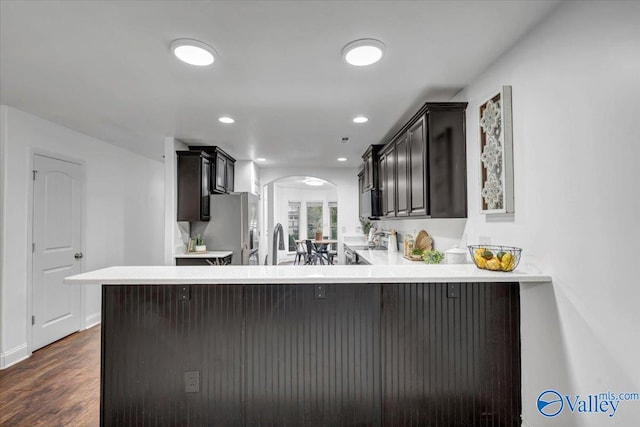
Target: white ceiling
x,y
104,68
298,183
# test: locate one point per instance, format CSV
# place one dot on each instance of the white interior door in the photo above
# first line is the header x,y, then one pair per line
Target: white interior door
x,y
57,226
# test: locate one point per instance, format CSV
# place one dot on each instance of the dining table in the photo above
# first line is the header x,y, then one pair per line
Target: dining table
x,y
317,244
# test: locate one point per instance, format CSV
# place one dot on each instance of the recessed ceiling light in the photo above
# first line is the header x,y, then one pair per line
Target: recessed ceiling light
x,y
360,119
193,52
342,159
363,52
261,159
314,182
225,119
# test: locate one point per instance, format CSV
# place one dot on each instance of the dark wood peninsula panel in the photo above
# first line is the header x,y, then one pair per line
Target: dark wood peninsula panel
x,y
423,354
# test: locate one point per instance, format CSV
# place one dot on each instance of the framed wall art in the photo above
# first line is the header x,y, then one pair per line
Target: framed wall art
x,y
496,153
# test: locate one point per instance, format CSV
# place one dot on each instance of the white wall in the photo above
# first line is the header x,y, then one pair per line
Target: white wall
x,y
576,115
346,181
123,216
246,177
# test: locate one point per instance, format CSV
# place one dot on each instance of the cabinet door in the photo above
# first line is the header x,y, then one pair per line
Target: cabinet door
x,y
193,187
231,169
447,164
360,191
220,183
391,183
402,176
417,169
382,176
205,174
368,172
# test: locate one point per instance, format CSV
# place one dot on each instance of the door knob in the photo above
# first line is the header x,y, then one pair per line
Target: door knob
x,y
78,255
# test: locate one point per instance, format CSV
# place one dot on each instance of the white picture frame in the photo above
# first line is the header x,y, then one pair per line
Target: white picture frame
x,y
495,123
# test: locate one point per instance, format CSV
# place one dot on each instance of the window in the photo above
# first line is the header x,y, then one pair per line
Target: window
x,y
333,219
294,225
314,218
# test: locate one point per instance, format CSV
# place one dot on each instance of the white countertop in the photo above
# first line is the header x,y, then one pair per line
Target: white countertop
x,y
275,274
382,257
208,254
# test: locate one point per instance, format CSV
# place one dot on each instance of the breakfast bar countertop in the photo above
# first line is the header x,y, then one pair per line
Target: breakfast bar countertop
x,y
207,254
235,274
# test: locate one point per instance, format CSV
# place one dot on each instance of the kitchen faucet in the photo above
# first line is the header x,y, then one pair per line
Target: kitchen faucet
x,y
278,242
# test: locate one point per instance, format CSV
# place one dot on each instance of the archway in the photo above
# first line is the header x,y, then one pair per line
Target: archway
x,y
303,205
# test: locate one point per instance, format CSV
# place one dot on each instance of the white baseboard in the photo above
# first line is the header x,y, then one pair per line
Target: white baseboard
x,y
14,356
93,320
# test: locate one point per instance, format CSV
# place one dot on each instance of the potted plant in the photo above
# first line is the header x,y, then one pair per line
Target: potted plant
x,y
318,230
366,226
199,244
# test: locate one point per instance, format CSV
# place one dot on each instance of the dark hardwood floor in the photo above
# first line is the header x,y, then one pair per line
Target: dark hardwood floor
x,y
59,385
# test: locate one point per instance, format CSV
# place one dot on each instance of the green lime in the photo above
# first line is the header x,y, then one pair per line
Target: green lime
x,y
487,255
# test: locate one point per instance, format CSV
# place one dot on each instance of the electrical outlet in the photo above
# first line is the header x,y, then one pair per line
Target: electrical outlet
x,y
192,381
320,292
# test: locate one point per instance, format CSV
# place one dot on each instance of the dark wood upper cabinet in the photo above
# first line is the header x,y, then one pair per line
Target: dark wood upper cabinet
x,y
220,176
390,181
447,162
222,169
422,170
402,175
231,170
369,183
418,172
194,168
382,176
370,168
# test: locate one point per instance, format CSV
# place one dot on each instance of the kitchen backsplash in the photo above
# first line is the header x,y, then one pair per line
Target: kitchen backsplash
x,y
446,233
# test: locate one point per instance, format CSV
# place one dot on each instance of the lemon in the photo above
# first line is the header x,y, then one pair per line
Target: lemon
x,y
480,262
494,264
507,262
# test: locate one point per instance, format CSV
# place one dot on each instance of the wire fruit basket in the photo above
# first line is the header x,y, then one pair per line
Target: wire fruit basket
x,y
494,257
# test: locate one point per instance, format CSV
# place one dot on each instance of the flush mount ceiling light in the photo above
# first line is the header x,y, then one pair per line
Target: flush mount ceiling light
x,y
194,52
360,119
226,120
363,52
314,182
261,159
342,159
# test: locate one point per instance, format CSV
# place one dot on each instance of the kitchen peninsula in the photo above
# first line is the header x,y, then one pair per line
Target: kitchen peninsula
x,y
306,346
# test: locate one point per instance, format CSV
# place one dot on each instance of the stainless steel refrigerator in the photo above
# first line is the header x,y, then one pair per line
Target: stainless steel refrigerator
x,y
234,227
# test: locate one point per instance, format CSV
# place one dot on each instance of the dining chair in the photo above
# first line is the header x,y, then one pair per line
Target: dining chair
x,y
301,253
311,257
324,252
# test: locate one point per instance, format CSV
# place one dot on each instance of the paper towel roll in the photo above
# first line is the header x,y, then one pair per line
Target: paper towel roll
x,y
393,243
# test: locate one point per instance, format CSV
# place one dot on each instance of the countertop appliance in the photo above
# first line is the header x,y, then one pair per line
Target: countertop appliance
x,y
234,226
